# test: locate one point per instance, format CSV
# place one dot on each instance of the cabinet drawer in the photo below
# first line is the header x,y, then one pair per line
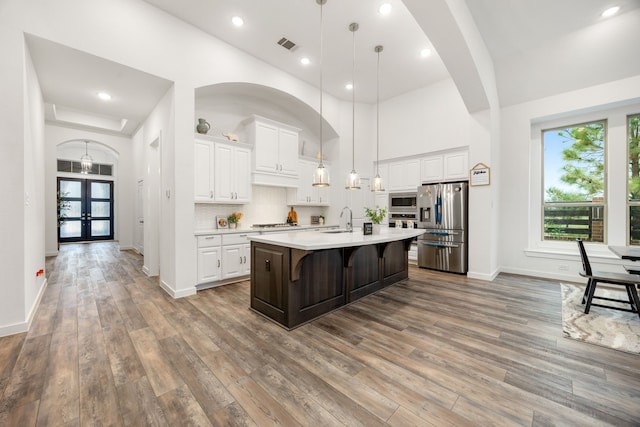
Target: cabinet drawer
x,y
236,239
208,241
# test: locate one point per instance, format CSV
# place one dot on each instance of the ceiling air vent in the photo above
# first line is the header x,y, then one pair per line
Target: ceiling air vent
x,y
286,43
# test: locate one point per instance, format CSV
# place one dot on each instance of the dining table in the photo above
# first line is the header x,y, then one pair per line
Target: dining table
x,y
631,253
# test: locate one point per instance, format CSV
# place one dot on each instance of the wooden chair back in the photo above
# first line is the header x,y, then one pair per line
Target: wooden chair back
x,y
586,267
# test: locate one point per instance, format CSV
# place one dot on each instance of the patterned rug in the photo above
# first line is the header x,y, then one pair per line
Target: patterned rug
x,y
609,328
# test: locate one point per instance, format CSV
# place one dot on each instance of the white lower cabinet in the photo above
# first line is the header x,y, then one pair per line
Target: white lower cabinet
x,y
209,259
237,260
223,258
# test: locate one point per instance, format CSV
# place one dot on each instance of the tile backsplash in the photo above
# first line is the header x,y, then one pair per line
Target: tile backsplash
x,y
268,205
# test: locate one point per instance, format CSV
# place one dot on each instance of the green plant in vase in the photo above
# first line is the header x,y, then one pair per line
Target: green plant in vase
x,y
233,219
376,215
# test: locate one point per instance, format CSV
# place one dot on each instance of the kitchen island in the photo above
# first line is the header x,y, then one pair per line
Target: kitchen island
x,y
297,277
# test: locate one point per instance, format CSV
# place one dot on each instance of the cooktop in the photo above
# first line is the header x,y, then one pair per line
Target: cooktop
x,y
274,225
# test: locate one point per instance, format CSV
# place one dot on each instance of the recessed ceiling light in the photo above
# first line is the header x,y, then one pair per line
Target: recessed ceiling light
x,y
610,12
425,52
384,9
349,86
305,61
237,21
104,96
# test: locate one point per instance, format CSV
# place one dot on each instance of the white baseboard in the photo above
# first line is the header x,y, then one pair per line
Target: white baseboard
x,y
126,248
51,253
572,277
177,294
146,270
483,276
18,328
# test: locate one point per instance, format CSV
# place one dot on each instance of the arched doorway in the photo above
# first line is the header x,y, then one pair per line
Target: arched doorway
x,y
86,196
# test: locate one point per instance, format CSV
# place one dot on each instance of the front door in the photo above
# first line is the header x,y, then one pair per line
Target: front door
x,y
90,213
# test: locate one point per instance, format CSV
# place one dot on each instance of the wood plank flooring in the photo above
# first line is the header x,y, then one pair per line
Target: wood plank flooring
x,y
109,347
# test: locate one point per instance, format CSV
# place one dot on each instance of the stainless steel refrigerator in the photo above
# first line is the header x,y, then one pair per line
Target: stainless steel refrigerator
x,y
443,212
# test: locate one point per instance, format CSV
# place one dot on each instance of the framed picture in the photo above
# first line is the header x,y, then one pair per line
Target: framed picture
x,y
480,174
367,228
221,221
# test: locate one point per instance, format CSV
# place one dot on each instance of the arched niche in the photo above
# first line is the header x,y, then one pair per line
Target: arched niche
x,y
226,106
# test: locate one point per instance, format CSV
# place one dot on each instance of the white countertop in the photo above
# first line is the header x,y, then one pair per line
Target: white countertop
x,y
315,240
261,230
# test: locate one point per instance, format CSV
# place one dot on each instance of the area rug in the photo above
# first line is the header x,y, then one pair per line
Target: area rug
x,y
608,328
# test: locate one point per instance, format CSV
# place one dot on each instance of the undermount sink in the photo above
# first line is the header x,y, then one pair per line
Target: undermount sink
x,y
338,230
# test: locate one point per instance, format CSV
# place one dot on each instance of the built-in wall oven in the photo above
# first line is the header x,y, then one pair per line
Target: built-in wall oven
x,y
403,210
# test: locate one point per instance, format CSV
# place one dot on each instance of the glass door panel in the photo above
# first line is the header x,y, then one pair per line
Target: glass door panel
x,y
90,213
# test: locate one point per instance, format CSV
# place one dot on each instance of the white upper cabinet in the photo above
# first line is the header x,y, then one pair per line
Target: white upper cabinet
x,y
204,177
222,171
232,174
404,175
456,166
451,166
305,194
275,152
431,169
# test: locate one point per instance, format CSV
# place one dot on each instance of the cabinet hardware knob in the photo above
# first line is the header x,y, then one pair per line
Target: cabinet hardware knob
x,y
267,265
245,259
218,263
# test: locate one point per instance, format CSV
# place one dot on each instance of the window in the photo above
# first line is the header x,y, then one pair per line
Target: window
x,y
574,198
74,167
633,132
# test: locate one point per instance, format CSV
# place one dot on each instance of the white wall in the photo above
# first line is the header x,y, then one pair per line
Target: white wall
x,y
34,212
124,190
429,119
522,251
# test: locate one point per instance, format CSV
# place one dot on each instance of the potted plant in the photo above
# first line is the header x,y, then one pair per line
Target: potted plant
x,y
376,216
63,205
233,219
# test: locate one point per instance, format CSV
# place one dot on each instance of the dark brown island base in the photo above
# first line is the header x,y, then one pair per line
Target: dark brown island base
x,y
297,277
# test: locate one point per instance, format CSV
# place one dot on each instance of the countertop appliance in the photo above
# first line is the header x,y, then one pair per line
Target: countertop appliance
x,y
443,212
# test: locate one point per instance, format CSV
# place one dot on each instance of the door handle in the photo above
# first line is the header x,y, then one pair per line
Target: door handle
x,y
218,263
245,259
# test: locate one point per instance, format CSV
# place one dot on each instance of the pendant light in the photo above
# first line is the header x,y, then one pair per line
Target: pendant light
x,y
353,180
321,174
86,161
378,185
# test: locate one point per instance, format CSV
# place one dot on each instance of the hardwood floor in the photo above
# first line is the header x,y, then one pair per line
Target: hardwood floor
x,y
109,347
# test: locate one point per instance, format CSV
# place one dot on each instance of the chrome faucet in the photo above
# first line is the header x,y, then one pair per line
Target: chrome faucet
x,y
350,220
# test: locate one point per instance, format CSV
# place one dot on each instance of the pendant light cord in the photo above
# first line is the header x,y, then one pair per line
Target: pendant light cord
x,y
378,115
353,27
321,62
378,49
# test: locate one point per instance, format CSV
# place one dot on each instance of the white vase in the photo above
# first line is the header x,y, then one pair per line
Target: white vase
x,y
233,225
376,228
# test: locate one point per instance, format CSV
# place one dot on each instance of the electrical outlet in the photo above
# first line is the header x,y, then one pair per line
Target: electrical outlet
x,y
563,267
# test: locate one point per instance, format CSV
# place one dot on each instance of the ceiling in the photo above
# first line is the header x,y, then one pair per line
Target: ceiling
x,y
510,29
70,81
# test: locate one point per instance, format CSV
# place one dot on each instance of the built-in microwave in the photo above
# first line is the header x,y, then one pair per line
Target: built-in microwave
x,y
403,202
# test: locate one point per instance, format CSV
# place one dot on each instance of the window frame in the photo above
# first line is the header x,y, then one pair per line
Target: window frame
x,y
592,204
630,203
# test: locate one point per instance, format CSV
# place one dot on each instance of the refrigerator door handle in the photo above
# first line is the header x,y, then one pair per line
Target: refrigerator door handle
x,y
439,208
440,245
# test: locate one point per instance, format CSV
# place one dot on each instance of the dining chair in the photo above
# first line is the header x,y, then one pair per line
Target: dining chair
x,y
629,281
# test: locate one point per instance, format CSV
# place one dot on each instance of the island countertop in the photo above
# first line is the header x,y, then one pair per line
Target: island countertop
x,y
316,240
